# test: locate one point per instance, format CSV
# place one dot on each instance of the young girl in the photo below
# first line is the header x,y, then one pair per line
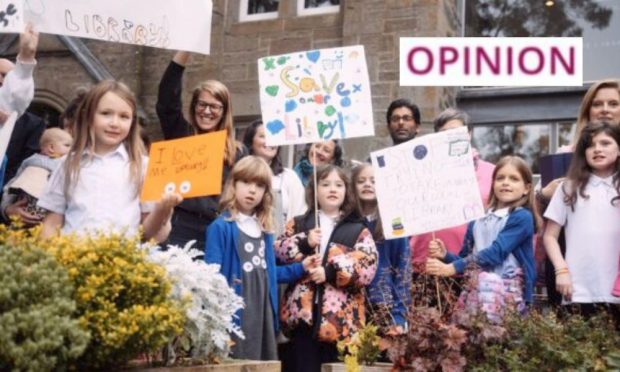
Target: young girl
x,y
586,205
240,241
210,109
327,305
288,192
97,186
499,243
388,294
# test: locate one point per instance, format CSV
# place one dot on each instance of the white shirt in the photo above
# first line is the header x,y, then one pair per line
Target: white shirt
x,y
293,195
592,239
248,224
104,197
18,88
327,225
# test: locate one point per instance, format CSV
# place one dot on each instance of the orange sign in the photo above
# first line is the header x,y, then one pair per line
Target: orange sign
x,y
191,166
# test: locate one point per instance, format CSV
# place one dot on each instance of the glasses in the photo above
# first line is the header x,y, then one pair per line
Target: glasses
x,y
215,108
395,119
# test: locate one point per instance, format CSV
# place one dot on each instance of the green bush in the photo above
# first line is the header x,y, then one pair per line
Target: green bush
x,y
37,329
542,342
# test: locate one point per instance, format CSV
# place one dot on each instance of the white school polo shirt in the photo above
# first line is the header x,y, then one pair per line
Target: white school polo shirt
x,y
104,197
592,233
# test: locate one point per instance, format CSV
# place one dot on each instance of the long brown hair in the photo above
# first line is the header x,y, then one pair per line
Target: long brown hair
x,y
84,136
221,93
579,170
322,173
250,169
586,104
377,234
526,201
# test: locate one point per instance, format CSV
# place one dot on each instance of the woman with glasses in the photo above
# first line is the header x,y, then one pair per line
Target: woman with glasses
x,y
210,110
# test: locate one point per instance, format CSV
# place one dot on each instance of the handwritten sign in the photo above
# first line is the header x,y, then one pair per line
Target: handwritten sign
x,y
315,95
191,166
156,23
427,184
11,16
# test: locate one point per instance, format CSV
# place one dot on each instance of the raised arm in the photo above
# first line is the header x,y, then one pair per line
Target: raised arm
x,y
169,106
17,89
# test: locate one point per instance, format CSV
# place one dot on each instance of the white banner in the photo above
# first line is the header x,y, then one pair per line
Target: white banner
x,y
315,96
427,184
486,61
11,16
179,25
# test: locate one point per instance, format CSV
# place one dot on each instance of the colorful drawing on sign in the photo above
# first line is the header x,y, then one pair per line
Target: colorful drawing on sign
x,y
191,166
434,177
11,16
315,95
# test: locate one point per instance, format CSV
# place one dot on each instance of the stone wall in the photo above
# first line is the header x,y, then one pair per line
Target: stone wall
x,y
235,47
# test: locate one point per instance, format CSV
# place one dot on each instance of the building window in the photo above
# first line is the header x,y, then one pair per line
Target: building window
x,y
597,21
313,7
257,10
529,141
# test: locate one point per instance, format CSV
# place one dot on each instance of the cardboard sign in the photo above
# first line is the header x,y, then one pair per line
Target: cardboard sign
x,y
11,16
164,24
315,96
191,166
427,184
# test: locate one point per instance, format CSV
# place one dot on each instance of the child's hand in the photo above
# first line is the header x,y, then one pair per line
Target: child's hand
x,y
564,285
28,42
170,200
314,237
317,274
310,262
437,249
436,267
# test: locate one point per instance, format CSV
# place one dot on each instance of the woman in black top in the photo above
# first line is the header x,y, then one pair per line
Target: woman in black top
x,y
210,110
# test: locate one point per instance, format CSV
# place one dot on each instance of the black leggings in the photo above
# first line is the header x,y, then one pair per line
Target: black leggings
x,y
309,353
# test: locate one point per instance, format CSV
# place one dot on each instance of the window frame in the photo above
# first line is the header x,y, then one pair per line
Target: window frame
x,y
303,11
245,17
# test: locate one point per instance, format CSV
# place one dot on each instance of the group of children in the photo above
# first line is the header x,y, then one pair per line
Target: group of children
x,y
334,257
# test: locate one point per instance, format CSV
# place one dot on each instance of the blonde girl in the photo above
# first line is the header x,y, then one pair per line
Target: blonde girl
x,y
210,110
328,304
240,240
98,184
501,243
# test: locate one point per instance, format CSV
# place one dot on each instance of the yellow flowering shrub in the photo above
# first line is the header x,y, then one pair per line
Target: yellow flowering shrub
x,y
121,298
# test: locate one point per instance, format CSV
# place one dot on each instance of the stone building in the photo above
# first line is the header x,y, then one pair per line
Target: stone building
x,y
530,121
241,33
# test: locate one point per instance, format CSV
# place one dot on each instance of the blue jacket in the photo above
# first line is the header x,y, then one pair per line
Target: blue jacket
x,y
392,281
516,237
221,249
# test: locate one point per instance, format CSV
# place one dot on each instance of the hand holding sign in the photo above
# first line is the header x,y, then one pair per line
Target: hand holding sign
x,y
191,166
